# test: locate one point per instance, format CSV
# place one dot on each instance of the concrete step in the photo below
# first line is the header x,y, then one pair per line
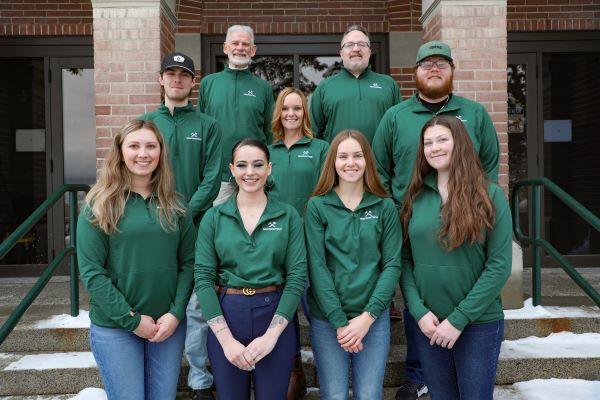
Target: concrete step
x,y
34,334
59,373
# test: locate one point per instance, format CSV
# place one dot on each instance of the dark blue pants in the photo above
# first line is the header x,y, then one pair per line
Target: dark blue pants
x,y
412,365
248,317
468,370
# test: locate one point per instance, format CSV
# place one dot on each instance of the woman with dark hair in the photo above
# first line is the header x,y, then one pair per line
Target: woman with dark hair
x,y
457,257
250,274
135,247
353,239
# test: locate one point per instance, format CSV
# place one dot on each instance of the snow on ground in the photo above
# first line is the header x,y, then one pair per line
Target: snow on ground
x,y
530,312
558,389
556,345
66,321
76,359
90,394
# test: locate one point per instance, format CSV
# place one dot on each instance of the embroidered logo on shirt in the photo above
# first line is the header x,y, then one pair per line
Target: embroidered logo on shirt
x,y
250,93
194,136
272,226
375,86
368,215
305,154
460,118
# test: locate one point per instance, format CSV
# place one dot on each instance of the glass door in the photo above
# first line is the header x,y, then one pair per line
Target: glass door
x,y
74,127
523,139
24,151
571,103
47,138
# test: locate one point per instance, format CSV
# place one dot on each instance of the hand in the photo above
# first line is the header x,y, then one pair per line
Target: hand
x,y
353,333
260,347
445,335
166,326
428,323
147,327
236,353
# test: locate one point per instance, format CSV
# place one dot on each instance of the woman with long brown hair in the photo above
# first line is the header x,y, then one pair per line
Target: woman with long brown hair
x,y
353,237
457,256
135,246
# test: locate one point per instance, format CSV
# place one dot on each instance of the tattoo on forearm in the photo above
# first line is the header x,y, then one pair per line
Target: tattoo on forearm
x,y
217,324
277,320
215,332
216,321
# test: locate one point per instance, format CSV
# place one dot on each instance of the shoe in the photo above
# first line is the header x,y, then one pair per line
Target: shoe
x,y
411,391
297,386
201,394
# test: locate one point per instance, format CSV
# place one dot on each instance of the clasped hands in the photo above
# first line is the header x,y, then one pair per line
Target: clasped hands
x,y
159,330
442,334
246,357
350,336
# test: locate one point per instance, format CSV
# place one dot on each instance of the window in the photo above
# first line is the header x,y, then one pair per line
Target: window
x,y
293,60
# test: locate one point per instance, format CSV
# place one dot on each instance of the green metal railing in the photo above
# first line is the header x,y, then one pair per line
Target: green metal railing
x,y
70,250
538,242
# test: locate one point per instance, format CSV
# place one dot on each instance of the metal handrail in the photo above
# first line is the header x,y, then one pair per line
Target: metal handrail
x,y
539,242
70,250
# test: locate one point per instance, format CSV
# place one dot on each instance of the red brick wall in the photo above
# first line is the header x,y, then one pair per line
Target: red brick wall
x,y
45,18
167,36
552,15
404,15
189,16
282,17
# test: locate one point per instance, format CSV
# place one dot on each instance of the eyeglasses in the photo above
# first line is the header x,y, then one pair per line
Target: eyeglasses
x,y
350,45
441,64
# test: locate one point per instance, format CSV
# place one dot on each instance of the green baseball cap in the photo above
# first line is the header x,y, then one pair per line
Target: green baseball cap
x,y
434,48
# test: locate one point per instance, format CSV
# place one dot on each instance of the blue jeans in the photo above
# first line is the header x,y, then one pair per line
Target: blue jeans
x,y
412,365
133,368
368,366
468,370
195,346
248,317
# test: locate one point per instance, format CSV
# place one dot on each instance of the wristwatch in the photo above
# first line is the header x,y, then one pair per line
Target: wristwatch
x,y
372,315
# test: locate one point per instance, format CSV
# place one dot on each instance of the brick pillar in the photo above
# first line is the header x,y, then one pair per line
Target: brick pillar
x,y
130,37
476,32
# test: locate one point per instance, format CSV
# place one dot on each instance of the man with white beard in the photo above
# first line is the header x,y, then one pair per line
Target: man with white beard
x,y
241,102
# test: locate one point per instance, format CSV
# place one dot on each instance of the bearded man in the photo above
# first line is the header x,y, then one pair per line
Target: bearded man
x,y
241,102
395,147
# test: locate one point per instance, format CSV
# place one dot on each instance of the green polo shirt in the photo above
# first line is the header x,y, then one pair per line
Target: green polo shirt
x,y
397,139
296,170
274,254
141,267
344,101
194,145
462,285
354,258
242,104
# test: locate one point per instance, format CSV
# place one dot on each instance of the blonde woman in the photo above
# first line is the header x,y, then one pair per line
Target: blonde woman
x,y
136,255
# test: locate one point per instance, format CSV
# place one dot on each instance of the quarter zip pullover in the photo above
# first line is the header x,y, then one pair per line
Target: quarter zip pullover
x,y
344,101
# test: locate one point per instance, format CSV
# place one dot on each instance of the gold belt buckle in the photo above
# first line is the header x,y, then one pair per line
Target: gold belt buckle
x,y
248,291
